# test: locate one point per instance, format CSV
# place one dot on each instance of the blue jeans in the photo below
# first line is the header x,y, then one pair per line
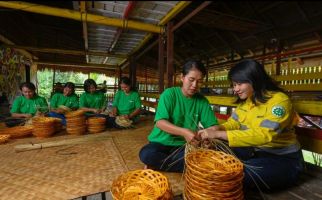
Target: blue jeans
x,y
269,171
163,158
58,115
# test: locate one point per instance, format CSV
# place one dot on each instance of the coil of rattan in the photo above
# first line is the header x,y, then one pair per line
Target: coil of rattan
x,y
17,131
212,175
4,138
141,184
43,126
96,124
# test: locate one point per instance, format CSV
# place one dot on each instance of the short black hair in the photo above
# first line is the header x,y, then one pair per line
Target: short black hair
x,y
28,85
193,64
70,85
88,83
252,72
125,80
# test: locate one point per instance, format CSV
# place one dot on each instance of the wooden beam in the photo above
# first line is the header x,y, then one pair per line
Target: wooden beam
x,y
81,65
75,15
65,51
193,13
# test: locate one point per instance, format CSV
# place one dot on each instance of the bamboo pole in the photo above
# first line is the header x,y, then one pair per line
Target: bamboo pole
x,y
73,141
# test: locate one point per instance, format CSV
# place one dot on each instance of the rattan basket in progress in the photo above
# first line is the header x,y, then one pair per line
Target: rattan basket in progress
x,y
65,109
141,184
96,124
213,175
123,122
43,126
4,138
17,131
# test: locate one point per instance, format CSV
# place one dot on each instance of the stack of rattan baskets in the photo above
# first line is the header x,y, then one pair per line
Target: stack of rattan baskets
x,y
58,124
213,175
75,122
17,131
141,184
43,126
96,124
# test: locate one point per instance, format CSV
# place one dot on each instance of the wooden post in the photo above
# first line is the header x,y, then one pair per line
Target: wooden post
x,y
161,63
170,54
207,71
133,71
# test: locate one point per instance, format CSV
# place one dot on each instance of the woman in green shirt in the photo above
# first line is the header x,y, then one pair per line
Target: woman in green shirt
x,y
179,111
27,105
127,102
92,101
68,98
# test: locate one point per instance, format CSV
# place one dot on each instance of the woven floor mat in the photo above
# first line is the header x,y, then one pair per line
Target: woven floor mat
x,y
64,172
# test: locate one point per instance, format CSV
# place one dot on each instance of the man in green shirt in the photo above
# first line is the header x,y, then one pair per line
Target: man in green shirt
x,y
68,98
27,105
127,102
179,111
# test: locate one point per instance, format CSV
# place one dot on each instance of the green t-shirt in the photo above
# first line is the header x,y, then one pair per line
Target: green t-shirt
x,y
96,100
22,105
126,104
59,99
183,112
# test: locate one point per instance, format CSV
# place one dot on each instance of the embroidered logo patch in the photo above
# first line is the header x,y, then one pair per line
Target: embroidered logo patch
x,y
278,111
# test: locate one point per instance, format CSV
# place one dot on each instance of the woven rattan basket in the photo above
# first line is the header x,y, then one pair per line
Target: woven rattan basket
x,y
212,175
4,138
141,184
96,124
17,131
43,126
123,122
74,113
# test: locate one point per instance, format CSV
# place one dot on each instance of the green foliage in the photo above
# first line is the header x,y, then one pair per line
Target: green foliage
x,y
45,80
45,83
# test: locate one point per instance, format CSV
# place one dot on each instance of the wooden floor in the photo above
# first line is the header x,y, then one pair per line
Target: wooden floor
x,y
129,142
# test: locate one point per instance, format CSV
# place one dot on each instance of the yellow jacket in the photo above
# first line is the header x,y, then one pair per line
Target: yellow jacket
x,y
267,126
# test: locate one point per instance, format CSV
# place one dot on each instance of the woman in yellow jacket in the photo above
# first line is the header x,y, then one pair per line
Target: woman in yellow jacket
x,y
261,129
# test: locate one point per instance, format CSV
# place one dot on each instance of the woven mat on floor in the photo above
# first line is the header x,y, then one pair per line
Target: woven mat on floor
x,y
64,172
130,141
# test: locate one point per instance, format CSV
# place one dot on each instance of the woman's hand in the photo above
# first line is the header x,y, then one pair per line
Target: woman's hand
x,y
212,133
190,136
27,116
126,116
